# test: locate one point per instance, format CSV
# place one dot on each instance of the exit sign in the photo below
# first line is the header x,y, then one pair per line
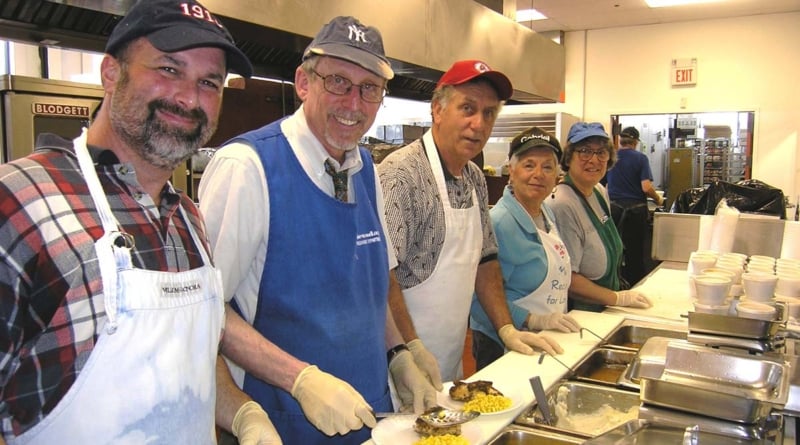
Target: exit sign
x,y
683,72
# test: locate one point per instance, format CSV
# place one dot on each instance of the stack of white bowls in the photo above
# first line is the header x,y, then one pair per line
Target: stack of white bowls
x,y
787,288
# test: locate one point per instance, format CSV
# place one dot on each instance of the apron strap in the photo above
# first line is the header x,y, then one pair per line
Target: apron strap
x,y
612,243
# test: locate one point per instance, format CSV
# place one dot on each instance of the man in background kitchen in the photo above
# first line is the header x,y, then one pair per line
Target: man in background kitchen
x,y
437,212
295,213
111,310
630,183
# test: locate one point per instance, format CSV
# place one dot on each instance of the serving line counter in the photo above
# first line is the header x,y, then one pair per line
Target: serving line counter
x,y
666,286
511,373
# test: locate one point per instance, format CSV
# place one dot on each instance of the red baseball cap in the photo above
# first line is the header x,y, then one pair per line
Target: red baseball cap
x,y
464,71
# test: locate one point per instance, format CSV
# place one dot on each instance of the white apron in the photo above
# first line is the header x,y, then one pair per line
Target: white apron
x,y
551,295
439,306
151,377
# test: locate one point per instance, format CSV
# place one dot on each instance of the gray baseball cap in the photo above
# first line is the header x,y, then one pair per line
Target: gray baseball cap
x,y
348,39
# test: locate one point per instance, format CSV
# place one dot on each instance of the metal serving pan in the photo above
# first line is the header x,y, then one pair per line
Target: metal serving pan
x,y
583,409
725,384
648,362
727,325
643,432
604,366
632,337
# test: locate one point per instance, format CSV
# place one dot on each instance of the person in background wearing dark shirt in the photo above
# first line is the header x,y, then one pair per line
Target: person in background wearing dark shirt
x,y
630,183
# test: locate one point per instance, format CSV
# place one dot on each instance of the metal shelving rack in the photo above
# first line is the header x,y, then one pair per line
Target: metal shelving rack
x,y
720,161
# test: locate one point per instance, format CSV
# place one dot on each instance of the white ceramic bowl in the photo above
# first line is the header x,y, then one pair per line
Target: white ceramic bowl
x,y
727,273
787,262
712,290
737,271
788,285
733,256
698,262
709,309
754,309
759,286
764,258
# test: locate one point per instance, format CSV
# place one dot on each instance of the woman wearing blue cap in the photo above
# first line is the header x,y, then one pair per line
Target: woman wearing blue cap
x,y
582,210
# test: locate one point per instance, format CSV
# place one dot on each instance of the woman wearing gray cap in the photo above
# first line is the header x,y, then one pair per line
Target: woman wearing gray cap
x,y
581,206
534,260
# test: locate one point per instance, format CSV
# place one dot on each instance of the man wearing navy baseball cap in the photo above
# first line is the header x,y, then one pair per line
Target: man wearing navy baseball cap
x,y
114,310
172,26
318,260
438,216
629,185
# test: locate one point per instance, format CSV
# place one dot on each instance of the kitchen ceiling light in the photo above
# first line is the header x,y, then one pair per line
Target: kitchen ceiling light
x,y
528,15
668,3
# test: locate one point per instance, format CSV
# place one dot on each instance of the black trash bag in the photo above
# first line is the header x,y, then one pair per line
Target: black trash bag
x,y
751,196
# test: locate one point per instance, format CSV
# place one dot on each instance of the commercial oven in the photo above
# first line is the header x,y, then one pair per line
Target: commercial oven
x,y
31,106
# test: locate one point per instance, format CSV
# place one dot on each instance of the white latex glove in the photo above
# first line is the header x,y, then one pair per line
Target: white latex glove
x,y
415,391
331,404
519,341
251,426
426,363
632,298
555,321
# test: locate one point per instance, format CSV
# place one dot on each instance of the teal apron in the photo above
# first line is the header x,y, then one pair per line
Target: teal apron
x,y
611,242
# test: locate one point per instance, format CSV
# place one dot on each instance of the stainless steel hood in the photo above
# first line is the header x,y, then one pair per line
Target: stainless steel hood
x,y
422,37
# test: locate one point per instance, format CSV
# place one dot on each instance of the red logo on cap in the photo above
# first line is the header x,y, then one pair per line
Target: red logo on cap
x,y
198,12
482,67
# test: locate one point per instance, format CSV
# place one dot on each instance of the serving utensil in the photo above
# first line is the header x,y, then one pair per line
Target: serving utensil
x,y
570,371
591,332
541,399
440,417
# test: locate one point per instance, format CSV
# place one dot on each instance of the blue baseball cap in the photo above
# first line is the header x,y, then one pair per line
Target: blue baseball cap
x,y
583,130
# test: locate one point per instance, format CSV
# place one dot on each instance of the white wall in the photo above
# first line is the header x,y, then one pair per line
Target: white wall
x,y
747,63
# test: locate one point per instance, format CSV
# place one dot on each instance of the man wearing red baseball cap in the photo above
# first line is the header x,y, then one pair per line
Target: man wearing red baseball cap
x,y
437,213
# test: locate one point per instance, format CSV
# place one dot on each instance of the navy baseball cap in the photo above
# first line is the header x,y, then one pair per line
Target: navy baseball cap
x,y
582,130
348,39
630,132
534,137
465,70
172,26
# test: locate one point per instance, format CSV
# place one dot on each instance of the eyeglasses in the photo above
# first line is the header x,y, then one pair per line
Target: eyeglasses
x,y
584,154
338,85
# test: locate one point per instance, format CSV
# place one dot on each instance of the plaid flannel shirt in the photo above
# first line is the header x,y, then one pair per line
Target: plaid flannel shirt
x,y
51,300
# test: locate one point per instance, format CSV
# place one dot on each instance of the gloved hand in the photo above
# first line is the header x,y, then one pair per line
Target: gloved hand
x,y
251,426
556,321
415,391
516,340
426,363
331,404
632,298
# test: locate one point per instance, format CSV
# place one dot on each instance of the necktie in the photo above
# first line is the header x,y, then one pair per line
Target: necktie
x,y
339,180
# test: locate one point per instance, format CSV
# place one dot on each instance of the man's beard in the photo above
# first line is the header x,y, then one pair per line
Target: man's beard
x,y
156,142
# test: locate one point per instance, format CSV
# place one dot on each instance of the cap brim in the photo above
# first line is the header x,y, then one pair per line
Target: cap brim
x,y
501,83
534,144
180,38
364,59
588,135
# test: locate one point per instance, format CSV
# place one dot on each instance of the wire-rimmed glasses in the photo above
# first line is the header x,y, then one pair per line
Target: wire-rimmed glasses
x,y
338,85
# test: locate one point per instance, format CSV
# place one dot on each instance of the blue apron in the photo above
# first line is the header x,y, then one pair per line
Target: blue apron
x,y
323,294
